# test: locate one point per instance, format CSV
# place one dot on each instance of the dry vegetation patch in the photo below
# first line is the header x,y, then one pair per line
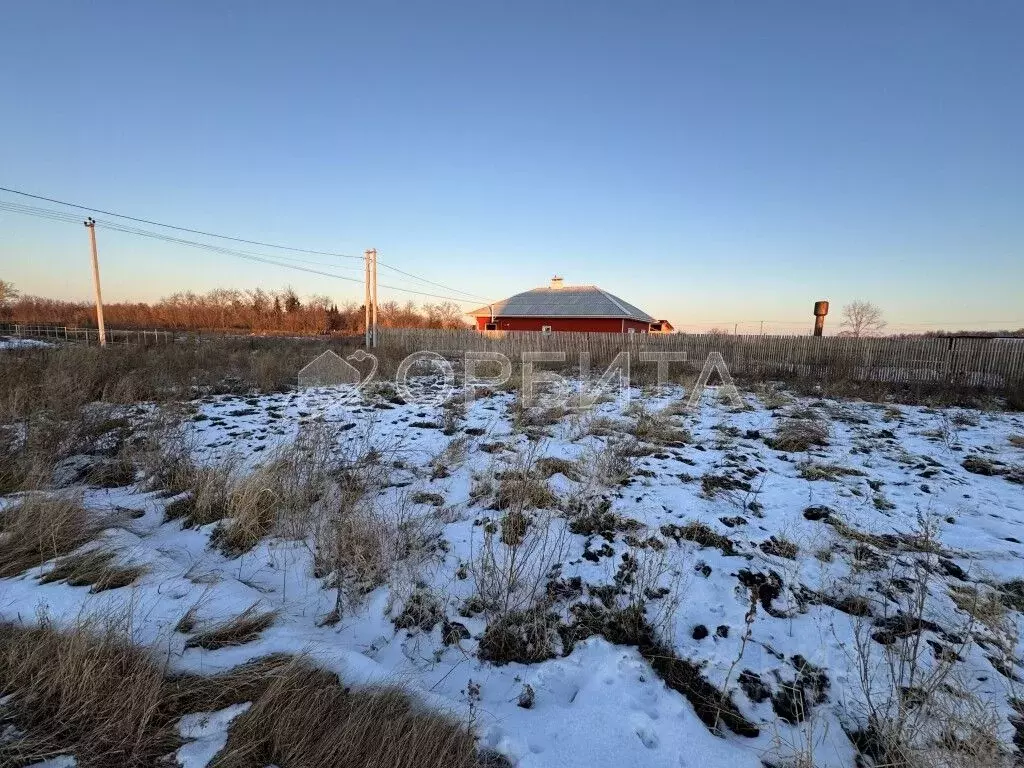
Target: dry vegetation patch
x,y
983,605
238,630
549,466
307,718
813,471
95,569
526,637
699,533
41,527
86,691
523,489
798,435
657,427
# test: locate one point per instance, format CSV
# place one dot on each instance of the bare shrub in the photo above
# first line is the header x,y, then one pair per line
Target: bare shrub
x,y
307,718
238,630
510,571
915,709
611,465
862,318
41,527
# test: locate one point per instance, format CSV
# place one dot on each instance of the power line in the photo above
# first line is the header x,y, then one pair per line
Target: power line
x,y
173,226
262,244
248,255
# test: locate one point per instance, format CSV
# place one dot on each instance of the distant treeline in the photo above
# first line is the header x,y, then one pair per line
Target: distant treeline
x,y
232,310
987,334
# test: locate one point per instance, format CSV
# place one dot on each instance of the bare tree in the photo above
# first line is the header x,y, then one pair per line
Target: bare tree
x,y
861,318
7,292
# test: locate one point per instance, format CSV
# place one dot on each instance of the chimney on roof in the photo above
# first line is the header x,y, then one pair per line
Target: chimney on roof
x,y
556,283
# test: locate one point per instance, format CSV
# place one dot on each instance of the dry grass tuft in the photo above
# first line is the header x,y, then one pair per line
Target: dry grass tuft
x,y
699,533
242,629
657,427
812,471
306,718
208,492
797,435
277,496
548,466
985,606
526,637
85,691
523,488
95,569
772,397
40,528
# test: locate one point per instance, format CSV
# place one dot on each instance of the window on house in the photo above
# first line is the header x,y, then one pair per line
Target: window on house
x,y
631,330
491,327
545,329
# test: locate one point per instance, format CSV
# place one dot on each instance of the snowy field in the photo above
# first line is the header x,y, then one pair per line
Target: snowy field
x,y
634,584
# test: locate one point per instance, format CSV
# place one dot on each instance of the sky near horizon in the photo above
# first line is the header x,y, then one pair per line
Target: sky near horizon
x,y
712,163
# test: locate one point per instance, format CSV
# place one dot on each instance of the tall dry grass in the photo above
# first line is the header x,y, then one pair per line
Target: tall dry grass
x,y
41,527
88,692
306,718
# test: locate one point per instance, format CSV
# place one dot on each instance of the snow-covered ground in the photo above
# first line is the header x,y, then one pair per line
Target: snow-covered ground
x,y
11,342
767,612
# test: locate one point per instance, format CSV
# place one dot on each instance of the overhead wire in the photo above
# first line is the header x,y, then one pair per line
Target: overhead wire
x,y
260,243
280,261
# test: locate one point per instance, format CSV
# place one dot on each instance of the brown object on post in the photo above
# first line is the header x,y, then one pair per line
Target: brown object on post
x,y
820,310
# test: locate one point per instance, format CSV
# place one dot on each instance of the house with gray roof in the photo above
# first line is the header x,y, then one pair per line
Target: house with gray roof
x,y
561,307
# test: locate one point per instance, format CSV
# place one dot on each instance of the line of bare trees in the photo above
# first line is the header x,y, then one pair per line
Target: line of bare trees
x,y
256,311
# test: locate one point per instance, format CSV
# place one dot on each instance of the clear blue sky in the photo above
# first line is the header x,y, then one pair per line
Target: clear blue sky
x,y
710,162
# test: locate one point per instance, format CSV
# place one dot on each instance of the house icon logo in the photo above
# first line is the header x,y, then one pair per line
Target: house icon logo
x,y
332,370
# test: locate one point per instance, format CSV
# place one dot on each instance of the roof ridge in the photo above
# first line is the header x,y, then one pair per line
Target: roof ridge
x,y
615,301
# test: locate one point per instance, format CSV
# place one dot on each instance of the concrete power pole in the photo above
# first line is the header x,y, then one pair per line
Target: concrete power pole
x,y
373,296
366,302
90,224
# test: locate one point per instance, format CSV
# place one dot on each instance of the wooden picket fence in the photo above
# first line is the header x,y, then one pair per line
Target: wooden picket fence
x,y
987,363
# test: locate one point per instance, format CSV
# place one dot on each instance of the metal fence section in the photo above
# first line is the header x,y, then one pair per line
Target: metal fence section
x,y
990,363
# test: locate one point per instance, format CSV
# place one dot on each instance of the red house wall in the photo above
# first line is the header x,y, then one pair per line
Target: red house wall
x,y
578,324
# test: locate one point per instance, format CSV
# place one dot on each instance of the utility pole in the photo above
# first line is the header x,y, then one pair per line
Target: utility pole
x,y
366,301
90,224
373,297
